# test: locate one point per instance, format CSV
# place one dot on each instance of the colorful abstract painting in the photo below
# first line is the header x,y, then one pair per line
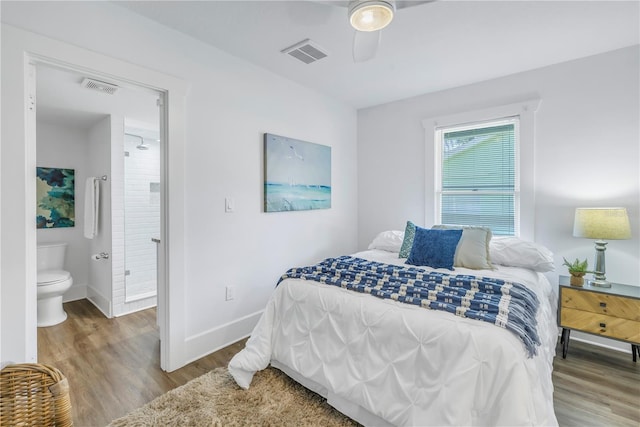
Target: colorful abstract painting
x,y
55,192
297,174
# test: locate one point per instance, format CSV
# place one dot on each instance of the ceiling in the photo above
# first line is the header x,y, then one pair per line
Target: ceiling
x,y
428,47
61,98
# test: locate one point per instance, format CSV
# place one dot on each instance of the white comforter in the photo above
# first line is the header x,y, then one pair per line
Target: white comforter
x,y
405,364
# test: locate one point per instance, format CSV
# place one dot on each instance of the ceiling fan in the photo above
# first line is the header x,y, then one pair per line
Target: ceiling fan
x,y
368,18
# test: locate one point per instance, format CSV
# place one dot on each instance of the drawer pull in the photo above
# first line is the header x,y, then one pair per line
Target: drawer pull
x,y
603,325
603,304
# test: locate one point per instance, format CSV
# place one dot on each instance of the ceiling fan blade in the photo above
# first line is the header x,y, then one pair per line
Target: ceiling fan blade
x,y
401,4
365,45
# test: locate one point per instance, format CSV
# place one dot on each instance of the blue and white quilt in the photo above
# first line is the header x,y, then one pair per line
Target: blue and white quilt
x,y
506,304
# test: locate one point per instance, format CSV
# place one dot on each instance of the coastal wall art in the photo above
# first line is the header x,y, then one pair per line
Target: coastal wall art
x,y
297,174
55,192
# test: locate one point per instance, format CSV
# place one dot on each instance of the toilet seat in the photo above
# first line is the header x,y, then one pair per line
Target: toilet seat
x,y
50,277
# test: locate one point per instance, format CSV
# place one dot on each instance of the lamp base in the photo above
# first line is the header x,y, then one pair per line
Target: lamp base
x,y
600,283
599,278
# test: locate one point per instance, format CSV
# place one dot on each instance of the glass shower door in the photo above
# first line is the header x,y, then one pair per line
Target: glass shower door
x,y
141,212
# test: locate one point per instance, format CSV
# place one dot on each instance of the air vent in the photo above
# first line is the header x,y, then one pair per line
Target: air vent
x,y
305,51
103,87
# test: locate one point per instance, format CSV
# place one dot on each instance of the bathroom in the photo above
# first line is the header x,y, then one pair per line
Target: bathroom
x,y
107,138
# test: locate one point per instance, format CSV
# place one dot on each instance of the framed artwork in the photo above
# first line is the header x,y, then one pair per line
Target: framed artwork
x,y
55,192
297,174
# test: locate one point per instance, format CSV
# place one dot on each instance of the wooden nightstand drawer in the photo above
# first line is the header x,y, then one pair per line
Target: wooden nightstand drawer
x,y
608,326
611,305
609,311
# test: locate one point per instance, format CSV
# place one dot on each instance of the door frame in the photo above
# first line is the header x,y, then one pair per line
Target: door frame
x,y
29,50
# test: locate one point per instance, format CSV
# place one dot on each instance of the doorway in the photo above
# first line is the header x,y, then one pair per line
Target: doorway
x,y
19,341
81,124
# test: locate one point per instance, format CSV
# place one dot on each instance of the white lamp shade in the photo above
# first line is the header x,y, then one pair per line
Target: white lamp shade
x,y
602,223
370,15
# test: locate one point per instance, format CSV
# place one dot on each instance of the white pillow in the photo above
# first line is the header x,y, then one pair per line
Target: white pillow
x,y
515,252
390,241
473,248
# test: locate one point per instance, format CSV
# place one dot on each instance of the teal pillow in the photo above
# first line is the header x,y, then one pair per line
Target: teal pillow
x,y
434,248
407,243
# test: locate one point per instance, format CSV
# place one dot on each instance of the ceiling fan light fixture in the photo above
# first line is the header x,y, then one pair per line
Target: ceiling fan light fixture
x,y
370,15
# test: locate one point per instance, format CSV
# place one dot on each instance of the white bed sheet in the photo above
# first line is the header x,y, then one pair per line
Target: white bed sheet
x,y
407,365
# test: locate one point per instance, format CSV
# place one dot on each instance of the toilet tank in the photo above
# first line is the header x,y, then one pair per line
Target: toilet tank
x,y
51,256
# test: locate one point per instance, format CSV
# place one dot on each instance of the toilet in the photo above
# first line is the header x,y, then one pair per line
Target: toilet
x,y
53,282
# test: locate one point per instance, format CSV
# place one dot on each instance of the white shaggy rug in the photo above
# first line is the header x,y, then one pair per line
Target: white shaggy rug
x,y
214,399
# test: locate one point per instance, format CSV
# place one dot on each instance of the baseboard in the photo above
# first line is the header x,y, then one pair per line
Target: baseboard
x,y
103,304
600,342
215,339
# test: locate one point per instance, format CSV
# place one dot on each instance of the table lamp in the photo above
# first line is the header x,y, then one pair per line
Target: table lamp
x,y
601,224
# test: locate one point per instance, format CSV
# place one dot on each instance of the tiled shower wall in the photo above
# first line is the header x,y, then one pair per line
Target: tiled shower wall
x,y
142,217
140,222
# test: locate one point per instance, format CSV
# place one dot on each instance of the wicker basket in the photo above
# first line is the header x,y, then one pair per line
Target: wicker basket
x,y
34,394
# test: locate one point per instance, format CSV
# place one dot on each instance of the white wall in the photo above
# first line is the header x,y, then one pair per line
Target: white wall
x,y
230,105
99,291
66,147
586,153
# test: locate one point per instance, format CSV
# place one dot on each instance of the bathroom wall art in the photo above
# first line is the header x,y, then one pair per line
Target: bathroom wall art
x,y
297,174
55,192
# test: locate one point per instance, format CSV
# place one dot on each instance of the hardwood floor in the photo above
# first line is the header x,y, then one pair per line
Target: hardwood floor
x,y
595,386
113,367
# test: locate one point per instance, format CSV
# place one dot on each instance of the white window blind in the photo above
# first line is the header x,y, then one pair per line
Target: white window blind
x,y
478,182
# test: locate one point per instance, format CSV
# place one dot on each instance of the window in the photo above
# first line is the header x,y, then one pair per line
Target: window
x,y
472,198
478,179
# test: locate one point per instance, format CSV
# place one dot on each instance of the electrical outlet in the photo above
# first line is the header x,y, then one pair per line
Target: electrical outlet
x,y
231,293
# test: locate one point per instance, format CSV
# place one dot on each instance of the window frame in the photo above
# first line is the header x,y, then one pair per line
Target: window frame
x,y
439,159
525,157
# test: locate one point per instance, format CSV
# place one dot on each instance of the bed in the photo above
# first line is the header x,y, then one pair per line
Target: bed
x,y
385,362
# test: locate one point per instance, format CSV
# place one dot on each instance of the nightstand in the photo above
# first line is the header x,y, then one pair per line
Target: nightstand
x,y
609,312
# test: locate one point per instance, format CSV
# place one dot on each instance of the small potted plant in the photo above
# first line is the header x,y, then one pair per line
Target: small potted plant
x,y
577,269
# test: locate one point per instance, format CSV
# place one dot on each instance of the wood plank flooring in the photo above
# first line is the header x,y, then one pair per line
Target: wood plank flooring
x,y
595,386
113,365
113,368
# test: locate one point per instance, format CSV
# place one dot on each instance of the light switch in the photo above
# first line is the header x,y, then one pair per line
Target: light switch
x,y
229,205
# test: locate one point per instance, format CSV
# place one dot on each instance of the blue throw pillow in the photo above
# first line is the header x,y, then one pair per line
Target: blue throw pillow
x,y
434,248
